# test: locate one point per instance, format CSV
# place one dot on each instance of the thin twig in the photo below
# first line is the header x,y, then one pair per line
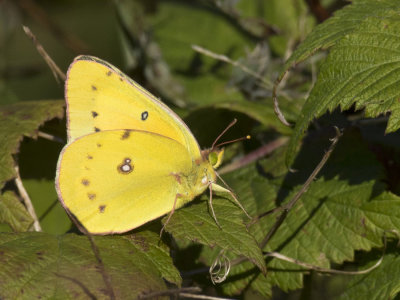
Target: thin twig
x,y
317,268
331,271
286,207
262,215
254,155
265,83
40,16
277,110
27,201
77,282
169,292
194,296
58,74
256,28
268,84
50,137
323,270
95,249
291,203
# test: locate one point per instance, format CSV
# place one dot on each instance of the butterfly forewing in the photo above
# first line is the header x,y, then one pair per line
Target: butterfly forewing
x,y
100,97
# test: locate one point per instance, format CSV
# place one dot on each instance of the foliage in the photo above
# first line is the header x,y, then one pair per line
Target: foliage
x,y
338,223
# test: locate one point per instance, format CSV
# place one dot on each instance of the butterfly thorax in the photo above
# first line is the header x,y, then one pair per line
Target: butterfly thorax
x,y
197,181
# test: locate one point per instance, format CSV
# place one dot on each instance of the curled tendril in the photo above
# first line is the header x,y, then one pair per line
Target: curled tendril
x,y
220,268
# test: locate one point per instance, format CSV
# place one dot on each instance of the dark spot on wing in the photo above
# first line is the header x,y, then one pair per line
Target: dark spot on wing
x,y
85,182
91,196
94,114
126,135
144,115
102,208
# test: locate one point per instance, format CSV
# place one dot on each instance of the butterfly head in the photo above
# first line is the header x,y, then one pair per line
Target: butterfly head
x,y
212,159
213,156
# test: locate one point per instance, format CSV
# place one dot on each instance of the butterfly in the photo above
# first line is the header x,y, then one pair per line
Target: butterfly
x,y
129,158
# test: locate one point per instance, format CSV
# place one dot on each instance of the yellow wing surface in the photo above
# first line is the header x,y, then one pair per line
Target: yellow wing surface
x,y
117,180
100,97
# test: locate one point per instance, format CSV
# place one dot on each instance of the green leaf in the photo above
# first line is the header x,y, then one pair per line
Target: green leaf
x,y
19,120
381,283
38,265
13,213
243,276
335,28
184,18
363,68
157,254
335,217
204,79
286,15
52,216
263,112
195,223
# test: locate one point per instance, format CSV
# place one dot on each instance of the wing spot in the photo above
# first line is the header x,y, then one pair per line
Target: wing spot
x,y
94,88
99,145
89,156
120,79
126,167
91,196
126,135
109,73
102,208
85,182
94,114
96,129
145,115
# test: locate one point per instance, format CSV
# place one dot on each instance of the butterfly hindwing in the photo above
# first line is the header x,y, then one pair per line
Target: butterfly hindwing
x,y
116,180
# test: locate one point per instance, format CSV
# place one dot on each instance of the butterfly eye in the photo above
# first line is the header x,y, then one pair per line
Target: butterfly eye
x,y
204,180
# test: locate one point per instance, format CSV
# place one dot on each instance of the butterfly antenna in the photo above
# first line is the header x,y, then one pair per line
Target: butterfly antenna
x,y
233,195
247,137
223,132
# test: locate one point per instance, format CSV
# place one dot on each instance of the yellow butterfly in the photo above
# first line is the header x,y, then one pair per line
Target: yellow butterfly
x,y
129,158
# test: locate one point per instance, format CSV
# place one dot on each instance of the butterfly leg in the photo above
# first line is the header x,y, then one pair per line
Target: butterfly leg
x,y
170,214
211,206
229,191
222,190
